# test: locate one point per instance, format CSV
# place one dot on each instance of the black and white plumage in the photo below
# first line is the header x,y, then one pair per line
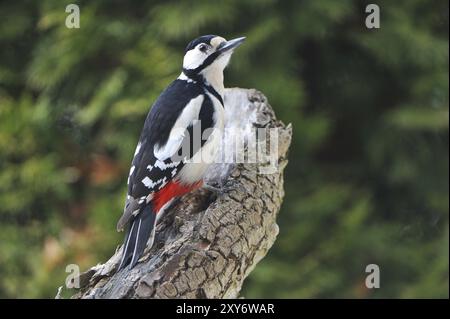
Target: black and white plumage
x,y
179,141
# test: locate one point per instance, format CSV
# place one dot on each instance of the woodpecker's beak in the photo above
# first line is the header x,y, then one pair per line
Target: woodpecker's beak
x,y
230,45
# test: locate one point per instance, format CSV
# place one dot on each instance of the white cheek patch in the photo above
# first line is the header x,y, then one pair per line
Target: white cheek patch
x,y
193,58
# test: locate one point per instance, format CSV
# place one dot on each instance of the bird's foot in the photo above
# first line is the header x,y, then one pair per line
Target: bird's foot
x,y
219,189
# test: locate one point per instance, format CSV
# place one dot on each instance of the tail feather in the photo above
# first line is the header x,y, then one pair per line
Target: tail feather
x,y
137,236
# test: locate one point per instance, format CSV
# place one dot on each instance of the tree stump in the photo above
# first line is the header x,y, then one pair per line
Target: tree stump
x,y
207,244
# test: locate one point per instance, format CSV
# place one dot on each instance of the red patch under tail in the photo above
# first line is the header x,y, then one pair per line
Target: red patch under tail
x,y
171,190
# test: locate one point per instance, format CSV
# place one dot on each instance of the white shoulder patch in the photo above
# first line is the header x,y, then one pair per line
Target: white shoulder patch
x,y
189,114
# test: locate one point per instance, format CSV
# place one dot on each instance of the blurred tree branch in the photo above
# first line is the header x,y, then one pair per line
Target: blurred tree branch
x,y
207,244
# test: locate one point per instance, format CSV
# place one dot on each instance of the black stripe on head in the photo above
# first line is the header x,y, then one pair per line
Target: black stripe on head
x,y
203,39
193,73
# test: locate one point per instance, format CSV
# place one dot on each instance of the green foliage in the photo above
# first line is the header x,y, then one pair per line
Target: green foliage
x,y
367,180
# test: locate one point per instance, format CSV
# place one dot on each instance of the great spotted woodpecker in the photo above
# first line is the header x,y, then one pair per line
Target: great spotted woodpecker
x,y
162,169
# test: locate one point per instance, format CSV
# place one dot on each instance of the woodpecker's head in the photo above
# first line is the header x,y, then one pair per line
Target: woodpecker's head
x,y
208,56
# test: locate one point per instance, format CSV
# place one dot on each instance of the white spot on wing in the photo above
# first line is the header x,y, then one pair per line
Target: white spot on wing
x,y
138,148
150,184
131,172
163,166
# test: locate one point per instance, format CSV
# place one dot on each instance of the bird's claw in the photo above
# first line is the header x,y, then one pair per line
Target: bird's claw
x,y
217,190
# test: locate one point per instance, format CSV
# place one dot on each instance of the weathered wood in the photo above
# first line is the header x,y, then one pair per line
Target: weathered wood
x,y
207,244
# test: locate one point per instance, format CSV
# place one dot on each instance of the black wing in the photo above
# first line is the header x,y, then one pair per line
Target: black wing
x,y
148,173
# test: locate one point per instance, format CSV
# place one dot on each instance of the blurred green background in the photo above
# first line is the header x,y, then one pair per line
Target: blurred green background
x,y
368,176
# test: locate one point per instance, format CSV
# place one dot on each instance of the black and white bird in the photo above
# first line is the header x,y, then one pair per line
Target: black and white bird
x,y
180,138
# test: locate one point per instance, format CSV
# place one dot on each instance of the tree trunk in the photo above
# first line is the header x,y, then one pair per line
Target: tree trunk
x,y
207,243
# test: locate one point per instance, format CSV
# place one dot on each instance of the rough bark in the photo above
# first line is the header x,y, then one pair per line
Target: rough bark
x,y
207,244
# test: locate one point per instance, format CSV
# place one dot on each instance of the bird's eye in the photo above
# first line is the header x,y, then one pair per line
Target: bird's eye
x,y
203,47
